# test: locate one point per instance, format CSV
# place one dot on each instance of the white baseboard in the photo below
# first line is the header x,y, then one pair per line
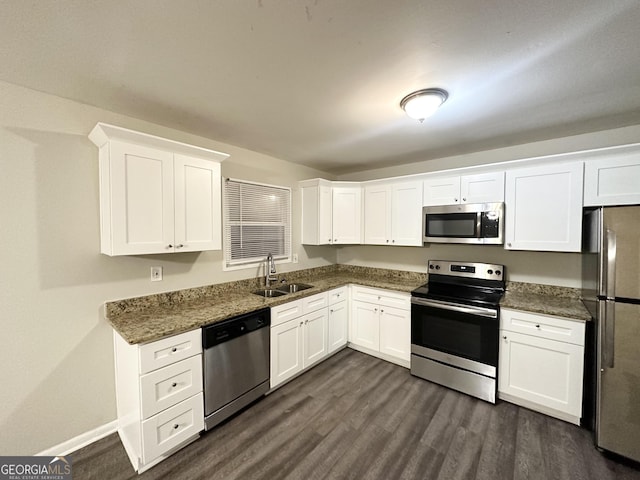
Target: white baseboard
x,y
82,440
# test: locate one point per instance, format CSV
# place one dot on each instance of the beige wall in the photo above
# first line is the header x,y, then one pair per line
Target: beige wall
x,y
57,361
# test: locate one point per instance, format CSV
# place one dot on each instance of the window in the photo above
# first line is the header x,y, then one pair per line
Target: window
x,y
257,222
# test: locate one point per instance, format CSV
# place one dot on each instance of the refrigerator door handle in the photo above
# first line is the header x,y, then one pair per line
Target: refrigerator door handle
x,y
609,333
610,270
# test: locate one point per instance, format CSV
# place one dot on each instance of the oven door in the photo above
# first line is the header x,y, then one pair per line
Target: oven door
x,y
453,329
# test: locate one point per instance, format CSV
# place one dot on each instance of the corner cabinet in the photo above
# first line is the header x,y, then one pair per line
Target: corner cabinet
x,y
543,207
541,363
159,396
331,212
613,179
156,195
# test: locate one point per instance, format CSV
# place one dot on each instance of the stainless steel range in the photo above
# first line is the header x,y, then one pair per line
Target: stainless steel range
x,y
455,325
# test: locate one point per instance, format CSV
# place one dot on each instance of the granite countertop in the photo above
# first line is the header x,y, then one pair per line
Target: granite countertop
x,y
145,319
546,299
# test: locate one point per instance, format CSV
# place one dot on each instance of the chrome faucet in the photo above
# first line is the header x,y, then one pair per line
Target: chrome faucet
x,y
270,271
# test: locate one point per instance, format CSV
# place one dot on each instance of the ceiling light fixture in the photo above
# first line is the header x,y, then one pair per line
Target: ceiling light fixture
x,y
423,103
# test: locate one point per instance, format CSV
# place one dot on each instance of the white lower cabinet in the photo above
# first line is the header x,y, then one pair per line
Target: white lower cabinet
x,y
541,363
380,324
299,336
159,396
338,330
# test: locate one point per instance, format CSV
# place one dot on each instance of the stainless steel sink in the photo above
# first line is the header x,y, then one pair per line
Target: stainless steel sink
x,y
293,287
270,293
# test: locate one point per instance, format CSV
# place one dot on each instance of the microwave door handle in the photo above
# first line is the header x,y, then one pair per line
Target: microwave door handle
x,y
479,225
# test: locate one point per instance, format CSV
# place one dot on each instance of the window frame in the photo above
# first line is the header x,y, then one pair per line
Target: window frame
x,y
255,262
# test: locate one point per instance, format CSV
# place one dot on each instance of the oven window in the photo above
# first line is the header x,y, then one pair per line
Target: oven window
x,y
464,335
458,225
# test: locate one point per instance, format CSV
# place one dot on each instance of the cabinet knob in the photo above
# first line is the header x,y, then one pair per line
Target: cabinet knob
x,y
306,321
387,241
179,245
455,200
329,240
464,199
176,426
335,239
375,309
537,326
504,337
174,349
509,244
331,311
381,311
393,241
169,246
301,323
174,385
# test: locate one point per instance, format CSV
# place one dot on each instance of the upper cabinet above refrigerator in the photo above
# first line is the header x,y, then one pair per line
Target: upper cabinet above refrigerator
x,y
613,179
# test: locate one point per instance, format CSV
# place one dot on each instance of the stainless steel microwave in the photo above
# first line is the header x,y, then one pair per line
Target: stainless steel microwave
x,y
478,223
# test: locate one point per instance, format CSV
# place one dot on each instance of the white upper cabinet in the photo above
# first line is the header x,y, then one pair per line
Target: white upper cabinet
x,y
544,208
156,195
347,214
477,188
613,179
331,212
393,214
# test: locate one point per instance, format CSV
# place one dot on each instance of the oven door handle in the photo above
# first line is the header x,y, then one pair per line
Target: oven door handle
x,y
455,307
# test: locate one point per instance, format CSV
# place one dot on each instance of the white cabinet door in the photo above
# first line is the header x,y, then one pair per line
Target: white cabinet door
x,y
395,332
377,215
544,208
197,204
325,212
541,371
347,215
314,337
365,327
286,350
441,191
338,318
613,180
406,214
482,188
142,205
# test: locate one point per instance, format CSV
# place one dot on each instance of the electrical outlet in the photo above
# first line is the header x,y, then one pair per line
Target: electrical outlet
x,y
156,274
295,258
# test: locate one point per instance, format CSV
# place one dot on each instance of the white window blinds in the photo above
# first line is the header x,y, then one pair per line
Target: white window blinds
x,y
257,222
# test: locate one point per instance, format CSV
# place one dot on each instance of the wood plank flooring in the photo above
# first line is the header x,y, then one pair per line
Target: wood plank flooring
x,y
357,417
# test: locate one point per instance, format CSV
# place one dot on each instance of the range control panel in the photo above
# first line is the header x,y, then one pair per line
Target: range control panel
x,y
486,271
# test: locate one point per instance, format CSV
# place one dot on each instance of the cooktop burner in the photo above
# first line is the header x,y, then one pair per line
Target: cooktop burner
x,y
478,284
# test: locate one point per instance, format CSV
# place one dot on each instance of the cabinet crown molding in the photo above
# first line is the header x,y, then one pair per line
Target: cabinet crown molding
x,y
104,132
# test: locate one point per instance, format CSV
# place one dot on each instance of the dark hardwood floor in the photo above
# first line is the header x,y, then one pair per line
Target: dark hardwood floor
x,y
357,417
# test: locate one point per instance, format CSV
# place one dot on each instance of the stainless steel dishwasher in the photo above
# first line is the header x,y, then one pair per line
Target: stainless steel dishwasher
x,y
236,364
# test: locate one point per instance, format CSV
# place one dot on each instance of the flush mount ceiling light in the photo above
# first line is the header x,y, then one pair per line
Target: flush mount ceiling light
x,y
423,103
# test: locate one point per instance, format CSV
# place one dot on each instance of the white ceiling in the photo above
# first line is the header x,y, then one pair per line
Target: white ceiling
x,y
319,82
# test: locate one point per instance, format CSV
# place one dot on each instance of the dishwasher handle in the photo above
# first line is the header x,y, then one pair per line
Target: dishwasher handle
x,y
227,330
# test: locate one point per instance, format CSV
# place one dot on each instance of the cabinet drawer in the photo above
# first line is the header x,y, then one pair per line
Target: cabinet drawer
x,y
337,295
170,428
285,312
170,350
170,385
545,326
315,302
381,297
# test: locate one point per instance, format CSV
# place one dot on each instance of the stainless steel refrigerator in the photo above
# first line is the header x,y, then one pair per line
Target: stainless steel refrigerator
x,y
611,292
